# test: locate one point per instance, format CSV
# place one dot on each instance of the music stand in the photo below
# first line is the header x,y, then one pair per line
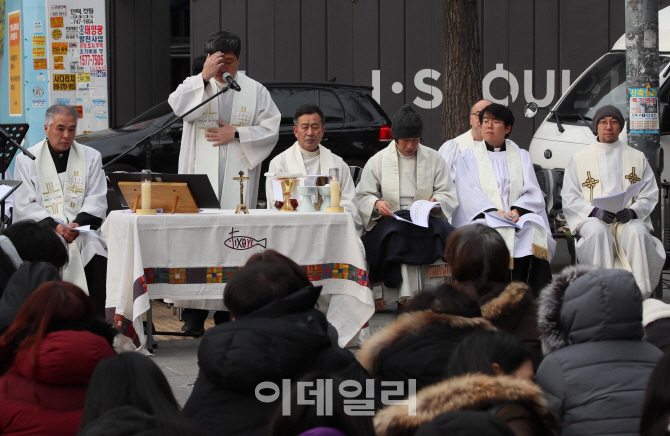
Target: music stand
x,y
11,136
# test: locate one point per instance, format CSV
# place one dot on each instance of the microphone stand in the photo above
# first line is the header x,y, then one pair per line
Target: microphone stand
x,y
146,141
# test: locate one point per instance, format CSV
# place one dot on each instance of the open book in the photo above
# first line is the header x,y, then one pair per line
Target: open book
x,y
616,202
419,213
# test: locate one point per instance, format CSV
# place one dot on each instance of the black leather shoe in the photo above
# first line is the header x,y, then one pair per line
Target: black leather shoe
x,y
193,328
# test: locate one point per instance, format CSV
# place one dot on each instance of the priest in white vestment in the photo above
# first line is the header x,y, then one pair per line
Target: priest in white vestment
x,y
496,176
232,133
613,239
393,179
451,149
308,157
65,188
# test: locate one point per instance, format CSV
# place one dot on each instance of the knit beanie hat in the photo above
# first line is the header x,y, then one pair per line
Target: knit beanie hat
x,y
607,111
407,123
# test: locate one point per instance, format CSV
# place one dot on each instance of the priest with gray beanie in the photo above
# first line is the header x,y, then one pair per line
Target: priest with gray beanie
x,y
613,236
404,172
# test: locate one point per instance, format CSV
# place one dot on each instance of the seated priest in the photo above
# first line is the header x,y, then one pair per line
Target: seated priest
x,y
307,156
65,188
496,176
613,239
451,149
392,180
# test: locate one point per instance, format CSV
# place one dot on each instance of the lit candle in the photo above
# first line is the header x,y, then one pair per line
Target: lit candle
x,y
335,194
146,189
146,194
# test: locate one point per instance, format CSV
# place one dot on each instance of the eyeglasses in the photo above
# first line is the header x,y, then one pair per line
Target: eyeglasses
x,y
605,122
493,121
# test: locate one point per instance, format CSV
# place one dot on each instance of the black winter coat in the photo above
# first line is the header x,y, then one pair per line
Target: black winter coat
x,y
417,345
284,340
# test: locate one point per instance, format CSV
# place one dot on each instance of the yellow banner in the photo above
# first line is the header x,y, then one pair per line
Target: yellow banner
x,y
15,88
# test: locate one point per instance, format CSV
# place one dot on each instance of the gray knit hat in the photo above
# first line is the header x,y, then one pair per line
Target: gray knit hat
x,y
607,111
407,123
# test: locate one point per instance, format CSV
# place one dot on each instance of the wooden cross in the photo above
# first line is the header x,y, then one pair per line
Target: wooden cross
x,y
590,183
632,177
241,208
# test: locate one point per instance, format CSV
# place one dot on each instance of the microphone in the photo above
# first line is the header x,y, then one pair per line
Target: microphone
x,y
231,82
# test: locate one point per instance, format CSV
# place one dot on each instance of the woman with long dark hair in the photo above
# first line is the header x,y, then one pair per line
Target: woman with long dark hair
x,y
47,356
479,261
129,394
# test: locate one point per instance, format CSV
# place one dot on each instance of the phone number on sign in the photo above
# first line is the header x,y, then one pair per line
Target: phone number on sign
x,y
87,60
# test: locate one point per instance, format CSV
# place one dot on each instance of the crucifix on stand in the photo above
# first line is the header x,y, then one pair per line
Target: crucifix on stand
x,y
241,208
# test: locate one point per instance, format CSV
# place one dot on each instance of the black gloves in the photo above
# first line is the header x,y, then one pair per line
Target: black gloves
x,y
625,215
603,215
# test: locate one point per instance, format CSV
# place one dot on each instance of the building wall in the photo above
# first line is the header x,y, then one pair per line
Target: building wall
x,y
538,46
138,56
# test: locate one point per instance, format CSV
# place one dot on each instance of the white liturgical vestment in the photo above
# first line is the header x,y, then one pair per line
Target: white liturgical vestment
x,y
299,161
82,188
453,148
258,132
402,180
602,169
381,181
504,180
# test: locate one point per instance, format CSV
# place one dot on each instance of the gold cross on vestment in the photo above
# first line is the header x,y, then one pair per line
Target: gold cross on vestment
x,y
590,183
241,179
52,198
632,177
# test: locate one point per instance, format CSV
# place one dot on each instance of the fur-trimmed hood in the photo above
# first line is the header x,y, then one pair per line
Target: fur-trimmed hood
x,y
588,305
510,300
467,392
409,324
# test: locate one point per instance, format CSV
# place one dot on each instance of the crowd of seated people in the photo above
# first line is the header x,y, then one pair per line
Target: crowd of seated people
x,y
478,355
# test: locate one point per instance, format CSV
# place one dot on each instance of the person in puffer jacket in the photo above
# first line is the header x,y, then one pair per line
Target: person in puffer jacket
x,y
276,336
47,357
596,365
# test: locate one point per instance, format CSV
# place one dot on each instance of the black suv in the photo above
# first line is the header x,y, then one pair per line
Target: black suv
x,y
356,128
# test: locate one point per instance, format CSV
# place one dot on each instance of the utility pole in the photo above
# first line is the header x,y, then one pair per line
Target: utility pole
x,y
642,83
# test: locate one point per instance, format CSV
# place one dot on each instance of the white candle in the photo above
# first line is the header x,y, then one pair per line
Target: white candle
x,y
146,195
334,194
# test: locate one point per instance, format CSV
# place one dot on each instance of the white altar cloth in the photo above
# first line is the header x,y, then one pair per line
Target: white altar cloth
x,y
191,256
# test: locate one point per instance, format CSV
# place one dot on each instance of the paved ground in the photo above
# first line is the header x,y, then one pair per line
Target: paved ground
x,y
178,358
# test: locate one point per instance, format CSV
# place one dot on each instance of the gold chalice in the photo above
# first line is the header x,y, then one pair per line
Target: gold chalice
x,y
287,186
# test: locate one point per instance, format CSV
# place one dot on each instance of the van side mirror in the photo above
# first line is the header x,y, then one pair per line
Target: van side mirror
x,y
530,110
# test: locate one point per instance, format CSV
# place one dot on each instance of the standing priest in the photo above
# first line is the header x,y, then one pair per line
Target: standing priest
x,y
65,188
496,176
232,133
613,239
393,179
307,156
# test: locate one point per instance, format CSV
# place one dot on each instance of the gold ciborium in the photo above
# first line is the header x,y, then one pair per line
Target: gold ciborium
x,y
287,186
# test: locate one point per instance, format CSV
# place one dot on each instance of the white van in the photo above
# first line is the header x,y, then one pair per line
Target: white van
x,y
568,128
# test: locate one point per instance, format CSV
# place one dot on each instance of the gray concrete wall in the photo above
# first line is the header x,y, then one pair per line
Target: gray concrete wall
x,y
538,46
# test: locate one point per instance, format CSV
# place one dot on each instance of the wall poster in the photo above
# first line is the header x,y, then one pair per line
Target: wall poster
x,y
77,59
